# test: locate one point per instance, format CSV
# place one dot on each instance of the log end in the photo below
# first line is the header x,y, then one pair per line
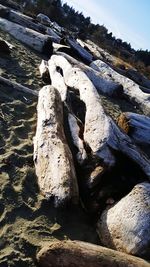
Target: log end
x,y
48,48
123,123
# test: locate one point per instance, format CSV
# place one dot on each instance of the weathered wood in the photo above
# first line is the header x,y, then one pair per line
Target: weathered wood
x,y
64,49
57,80
138,128
17,86
82,254
80,51
95,176
138,78
52,156
44,72
101,84
77,141
100,132
28,22
37,41
125,226
10,3
43,19
130,89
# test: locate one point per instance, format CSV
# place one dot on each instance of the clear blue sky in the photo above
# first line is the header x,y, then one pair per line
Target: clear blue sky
x,y
126,19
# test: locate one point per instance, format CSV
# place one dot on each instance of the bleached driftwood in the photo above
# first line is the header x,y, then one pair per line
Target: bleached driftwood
x,y
83,254
101,84
54,36
100,132
64,49
137,126
130,89
80,51
17,86
138,78
37,41
52,156
57,80
26,21
44,72
125,226
77,141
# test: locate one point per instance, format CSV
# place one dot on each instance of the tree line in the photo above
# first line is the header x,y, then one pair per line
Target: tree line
x,y
75,21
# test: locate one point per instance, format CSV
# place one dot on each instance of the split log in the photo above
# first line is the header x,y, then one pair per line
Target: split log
x,y
100,132
130,89
17,86
101,84
37,41
77,253
77,141
52,156
44,72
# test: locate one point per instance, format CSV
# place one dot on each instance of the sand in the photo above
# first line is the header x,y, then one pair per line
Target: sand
x,y
27,219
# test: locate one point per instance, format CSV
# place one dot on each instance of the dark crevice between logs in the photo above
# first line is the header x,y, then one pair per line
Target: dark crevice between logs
x,y
48,48
117,182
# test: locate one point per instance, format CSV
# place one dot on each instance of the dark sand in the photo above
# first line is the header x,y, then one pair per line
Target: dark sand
x,y
27,220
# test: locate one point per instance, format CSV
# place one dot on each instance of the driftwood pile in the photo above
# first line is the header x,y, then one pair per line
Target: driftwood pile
x,y
81,154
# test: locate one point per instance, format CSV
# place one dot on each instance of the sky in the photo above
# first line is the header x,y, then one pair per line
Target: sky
x,y
126,19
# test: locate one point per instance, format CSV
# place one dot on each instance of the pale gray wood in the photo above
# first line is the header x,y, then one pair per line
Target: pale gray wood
x,y
52,156
125,226
130,89
33,39
100,132
83,254
101,84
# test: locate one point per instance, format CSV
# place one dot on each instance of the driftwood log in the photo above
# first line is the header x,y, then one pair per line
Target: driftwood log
x,y
17,86
101,84
11,4
37,41
77,141
125,226
131,90
138,128
82,254
57,80
52,156
80,51
44,72
26,21
100,132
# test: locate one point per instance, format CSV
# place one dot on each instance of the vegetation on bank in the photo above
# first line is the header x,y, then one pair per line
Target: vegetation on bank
x,y
75,21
